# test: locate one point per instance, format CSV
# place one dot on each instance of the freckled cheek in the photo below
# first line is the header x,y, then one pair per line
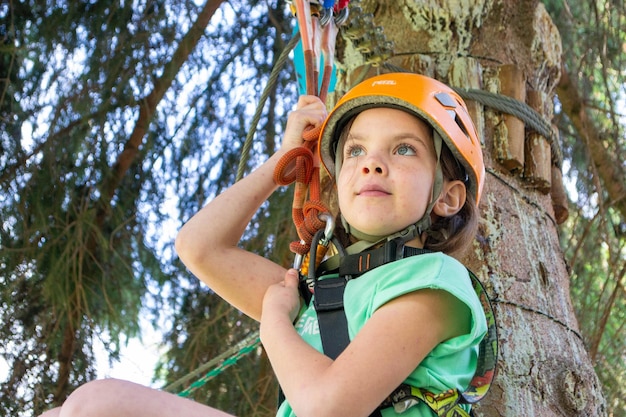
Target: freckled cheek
x,y
342,194
346,175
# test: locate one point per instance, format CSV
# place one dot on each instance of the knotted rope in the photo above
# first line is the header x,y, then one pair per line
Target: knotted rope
x,y
306,174
318,31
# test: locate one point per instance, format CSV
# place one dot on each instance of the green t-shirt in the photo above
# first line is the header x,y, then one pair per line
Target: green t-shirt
x,y
452,363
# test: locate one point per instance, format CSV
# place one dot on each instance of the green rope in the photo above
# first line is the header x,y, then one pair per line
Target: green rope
x,y
216,366
264,96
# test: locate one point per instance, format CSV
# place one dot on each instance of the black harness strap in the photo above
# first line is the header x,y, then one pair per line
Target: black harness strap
x,y
359,263
331,317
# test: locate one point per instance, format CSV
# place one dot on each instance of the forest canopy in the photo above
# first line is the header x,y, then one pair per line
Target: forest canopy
x,y
119,120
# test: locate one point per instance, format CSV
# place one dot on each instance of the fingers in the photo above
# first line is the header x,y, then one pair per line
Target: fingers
x,y
283,298
310,111
291,278
307,100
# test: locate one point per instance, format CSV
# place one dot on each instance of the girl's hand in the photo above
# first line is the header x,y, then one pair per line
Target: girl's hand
x,y
310,111
282,300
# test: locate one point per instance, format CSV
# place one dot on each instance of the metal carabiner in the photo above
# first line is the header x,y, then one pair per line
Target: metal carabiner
x,y
324,241
342,16
328,230
319,248
297,260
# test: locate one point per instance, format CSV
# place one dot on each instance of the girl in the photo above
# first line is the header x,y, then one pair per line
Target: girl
x,y
408,170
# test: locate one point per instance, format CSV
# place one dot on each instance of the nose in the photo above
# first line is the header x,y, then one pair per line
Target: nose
x,y
374,165
367,170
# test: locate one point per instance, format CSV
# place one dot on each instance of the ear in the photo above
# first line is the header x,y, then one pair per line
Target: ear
x,y
451,199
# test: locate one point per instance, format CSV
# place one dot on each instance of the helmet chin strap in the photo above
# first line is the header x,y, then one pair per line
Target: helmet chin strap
x,y
412,231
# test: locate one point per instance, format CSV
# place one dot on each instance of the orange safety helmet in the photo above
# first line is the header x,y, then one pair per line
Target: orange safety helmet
x,y
430,100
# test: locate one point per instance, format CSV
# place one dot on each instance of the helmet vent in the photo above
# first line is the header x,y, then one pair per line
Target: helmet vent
x,y
461,125
451,104
446,100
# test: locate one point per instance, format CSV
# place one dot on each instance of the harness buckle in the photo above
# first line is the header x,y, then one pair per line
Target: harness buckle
x,y
329,294
401,406
394,250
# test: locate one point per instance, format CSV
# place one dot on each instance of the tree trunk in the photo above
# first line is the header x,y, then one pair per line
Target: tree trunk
x,y
507,47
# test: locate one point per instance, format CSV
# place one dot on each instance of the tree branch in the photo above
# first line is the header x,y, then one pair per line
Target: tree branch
x,y
147,106
610,170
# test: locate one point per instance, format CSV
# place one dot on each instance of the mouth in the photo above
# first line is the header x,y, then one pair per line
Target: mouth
x,y
372,191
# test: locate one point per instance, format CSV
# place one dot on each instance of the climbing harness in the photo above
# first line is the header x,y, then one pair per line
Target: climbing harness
x,y
327,296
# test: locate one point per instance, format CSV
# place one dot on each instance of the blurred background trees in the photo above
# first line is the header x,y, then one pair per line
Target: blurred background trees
x,y
119,120
592,123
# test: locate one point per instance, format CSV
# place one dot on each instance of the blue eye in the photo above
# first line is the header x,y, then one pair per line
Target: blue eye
x,y
405,150
354,151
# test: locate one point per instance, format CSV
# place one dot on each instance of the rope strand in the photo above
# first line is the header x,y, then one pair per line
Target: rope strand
x,y
216,366
280,62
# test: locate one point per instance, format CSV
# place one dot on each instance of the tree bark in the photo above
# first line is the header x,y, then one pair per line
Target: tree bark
x,y
543,367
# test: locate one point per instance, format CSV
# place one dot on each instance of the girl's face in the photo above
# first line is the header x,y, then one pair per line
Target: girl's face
x,y
386,178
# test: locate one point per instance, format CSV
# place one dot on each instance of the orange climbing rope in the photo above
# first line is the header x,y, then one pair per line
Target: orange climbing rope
x,y
329,36
307,204
306,23
318,31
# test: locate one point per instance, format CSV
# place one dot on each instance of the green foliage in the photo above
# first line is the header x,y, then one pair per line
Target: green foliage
x,y
78,264
594,237
596,250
